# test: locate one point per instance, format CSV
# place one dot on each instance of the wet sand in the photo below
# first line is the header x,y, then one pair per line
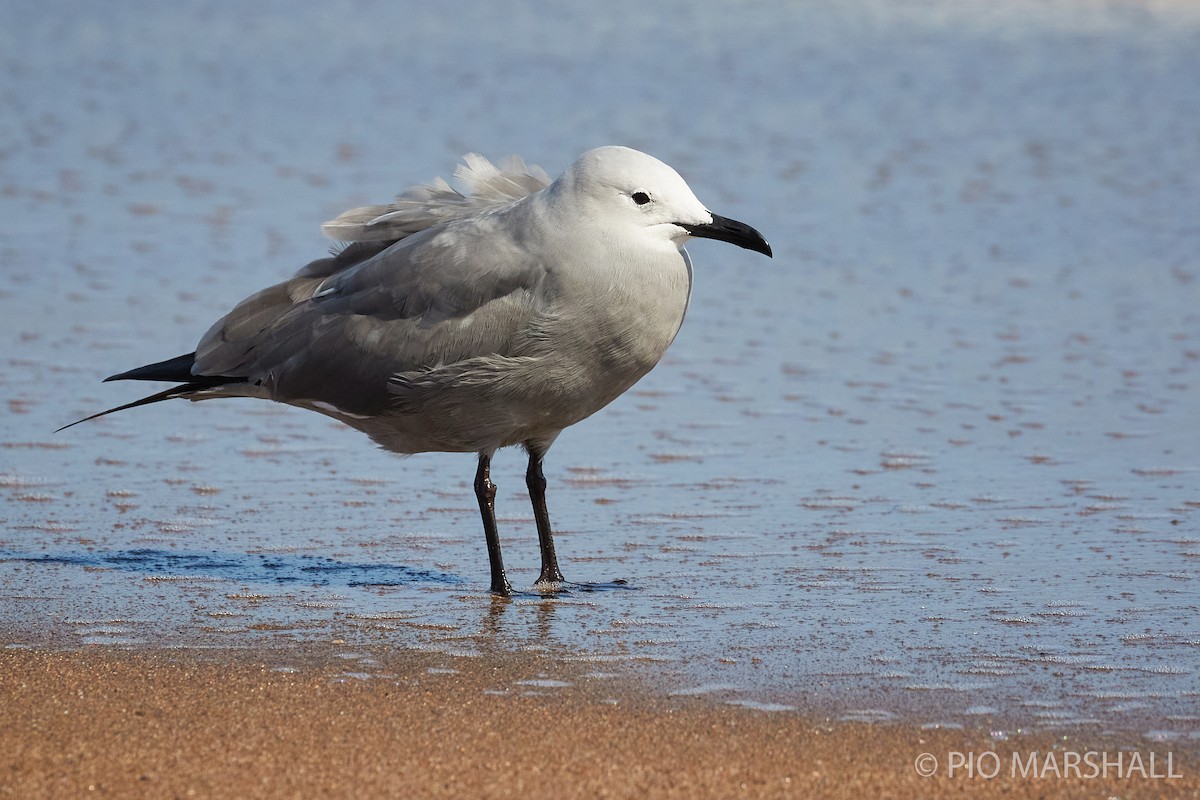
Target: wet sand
x,y
175,723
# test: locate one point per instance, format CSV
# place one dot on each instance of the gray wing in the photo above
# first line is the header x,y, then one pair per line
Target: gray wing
x,y
487,186
419,285
337,331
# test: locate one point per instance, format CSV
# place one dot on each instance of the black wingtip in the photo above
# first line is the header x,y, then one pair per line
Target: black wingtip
x,y
166,394
178,370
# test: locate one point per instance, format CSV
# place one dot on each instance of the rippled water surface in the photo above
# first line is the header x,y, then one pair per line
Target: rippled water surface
x,y
939,457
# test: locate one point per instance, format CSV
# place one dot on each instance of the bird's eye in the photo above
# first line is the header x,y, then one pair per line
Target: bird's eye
x,y
641,198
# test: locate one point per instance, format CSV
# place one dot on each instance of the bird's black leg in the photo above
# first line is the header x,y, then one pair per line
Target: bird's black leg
x,y
536,482
485,492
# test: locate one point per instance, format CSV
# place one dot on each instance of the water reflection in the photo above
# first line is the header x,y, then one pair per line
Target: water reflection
x,y
277,568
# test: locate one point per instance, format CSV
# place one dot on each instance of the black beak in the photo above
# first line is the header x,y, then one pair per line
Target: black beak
x,y
724,229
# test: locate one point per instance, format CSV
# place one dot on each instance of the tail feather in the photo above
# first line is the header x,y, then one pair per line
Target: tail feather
x,y
173,369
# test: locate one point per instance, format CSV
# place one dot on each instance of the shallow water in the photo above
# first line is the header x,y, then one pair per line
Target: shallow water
x,y
938,458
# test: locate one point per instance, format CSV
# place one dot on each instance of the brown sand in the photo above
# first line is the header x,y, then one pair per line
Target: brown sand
x,y
167,723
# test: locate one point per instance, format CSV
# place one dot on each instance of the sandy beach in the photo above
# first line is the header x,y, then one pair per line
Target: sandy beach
x,y
172,723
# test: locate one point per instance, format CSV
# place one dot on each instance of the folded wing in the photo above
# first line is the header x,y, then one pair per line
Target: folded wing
x,y
424,283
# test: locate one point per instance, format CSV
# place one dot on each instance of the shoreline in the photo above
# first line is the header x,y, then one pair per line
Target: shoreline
x,y
305,721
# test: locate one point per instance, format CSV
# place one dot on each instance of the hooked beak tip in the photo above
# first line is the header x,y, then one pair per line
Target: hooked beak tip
x,y
724,229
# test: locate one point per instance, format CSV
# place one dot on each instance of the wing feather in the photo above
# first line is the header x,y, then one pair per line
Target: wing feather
x,y
337,332
485,187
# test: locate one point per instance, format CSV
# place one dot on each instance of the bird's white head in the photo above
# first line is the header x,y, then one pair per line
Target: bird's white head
x,y
624,188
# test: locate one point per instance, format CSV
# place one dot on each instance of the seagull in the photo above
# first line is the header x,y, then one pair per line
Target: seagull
x,y
467,321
